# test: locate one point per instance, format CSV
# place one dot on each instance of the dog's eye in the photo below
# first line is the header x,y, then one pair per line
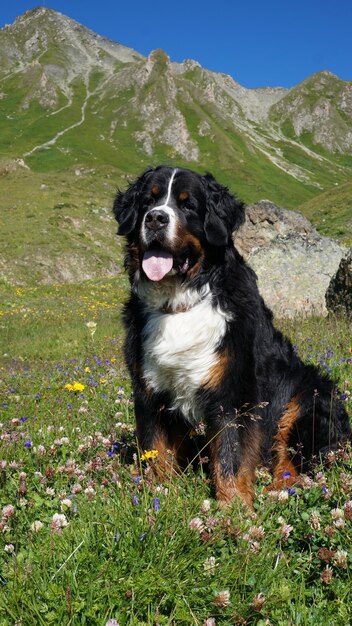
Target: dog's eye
x,y
150,201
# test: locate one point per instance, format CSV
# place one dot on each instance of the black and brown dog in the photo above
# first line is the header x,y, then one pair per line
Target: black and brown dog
x,y
201,346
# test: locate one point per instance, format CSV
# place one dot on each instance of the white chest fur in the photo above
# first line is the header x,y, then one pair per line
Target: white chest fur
x,y
180,349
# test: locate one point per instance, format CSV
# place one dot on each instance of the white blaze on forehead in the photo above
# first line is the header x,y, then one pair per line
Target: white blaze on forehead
x,y
171,228
170,186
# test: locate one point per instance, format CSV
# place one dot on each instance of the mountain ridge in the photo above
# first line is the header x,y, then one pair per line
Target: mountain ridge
x,y
81,115
57,69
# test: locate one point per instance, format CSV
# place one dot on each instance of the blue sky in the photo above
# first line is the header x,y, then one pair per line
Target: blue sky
x,y
259,43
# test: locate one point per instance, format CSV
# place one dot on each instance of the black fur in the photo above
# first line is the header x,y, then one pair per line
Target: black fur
x,y
264,405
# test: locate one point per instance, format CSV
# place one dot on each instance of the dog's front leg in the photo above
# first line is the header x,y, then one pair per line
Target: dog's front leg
x,y
234,459
153,434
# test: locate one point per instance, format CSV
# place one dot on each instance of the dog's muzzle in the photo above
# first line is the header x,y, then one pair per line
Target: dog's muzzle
x,y
156,219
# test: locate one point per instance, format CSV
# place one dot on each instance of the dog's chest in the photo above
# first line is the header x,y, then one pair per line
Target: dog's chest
x,y
179,351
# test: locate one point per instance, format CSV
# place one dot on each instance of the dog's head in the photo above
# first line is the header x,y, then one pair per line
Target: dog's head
x,y
172,217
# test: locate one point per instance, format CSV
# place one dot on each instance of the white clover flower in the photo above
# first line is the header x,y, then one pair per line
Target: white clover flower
x,y
66,503
37,526
10,548
58,522
209,565
8,511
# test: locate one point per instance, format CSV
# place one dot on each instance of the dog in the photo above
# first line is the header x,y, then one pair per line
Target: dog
x,y
201,347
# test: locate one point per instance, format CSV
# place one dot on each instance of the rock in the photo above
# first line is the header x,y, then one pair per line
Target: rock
x,y
293,263
264,222
339,294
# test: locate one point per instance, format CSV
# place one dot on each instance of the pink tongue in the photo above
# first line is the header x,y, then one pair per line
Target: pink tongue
x,y
157,263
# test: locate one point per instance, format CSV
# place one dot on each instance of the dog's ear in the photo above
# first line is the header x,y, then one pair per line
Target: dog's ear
x,y
224,213
126,204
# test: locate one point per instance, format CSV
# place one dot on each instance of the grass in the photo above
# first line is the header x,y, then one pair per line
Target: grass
x,y
87,536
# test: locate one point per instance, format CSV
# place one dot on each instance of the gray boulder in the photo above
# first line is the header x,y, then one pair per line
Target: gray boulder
x,y
293,263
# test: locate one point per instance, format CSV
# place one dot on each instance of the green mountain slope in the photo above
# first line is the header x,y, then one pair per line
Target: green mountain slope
x,y
80,113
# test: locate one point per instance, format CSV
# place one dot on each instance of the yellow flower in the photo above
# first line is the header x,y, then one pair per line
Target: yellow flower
x,y
103,381
74,387
87,370
78,387
149,454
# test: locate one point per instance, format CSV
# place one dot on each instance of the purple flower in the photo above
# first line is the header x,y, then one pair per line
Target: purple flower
x,y
156,504
286,475
137,479
28,443
23,419
291,491
135,500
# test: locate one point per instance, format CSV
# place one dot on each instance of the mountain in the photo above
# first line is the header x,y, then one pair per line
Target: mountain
x,y
74,102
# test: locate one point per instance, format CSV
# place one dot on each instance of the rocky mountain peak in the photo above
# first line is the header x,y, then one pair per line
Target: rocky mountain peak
x,y
60,82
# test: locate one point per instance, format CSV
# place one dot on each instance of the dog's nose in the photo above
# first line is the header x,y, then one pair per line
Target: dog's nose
x,y
156,219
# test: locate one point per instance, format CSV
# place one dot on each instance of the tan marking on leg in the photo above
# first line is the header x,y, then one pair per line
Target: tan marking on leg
x,y
282,462
240,484
165,465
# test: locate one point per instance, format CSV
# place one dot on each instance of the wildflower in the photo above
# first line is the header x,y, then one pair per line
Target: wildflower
x,y
28,444
37,526
286,475
255,547
135,500
222,599
196,524
92,326
112,622
209,565
10,548
324,554
50,491
210,621
285,531
156,504
8,511
149,454
314,520
338,517
76,488
340,559
336,513
326,576
206,505
41,450
258,602
256,533
348,510
75,387
66,503
58,522
90,493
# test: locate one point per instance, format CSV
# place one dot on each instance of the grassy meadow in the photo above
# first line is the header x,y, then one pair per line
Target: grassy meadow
x,y
89,538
